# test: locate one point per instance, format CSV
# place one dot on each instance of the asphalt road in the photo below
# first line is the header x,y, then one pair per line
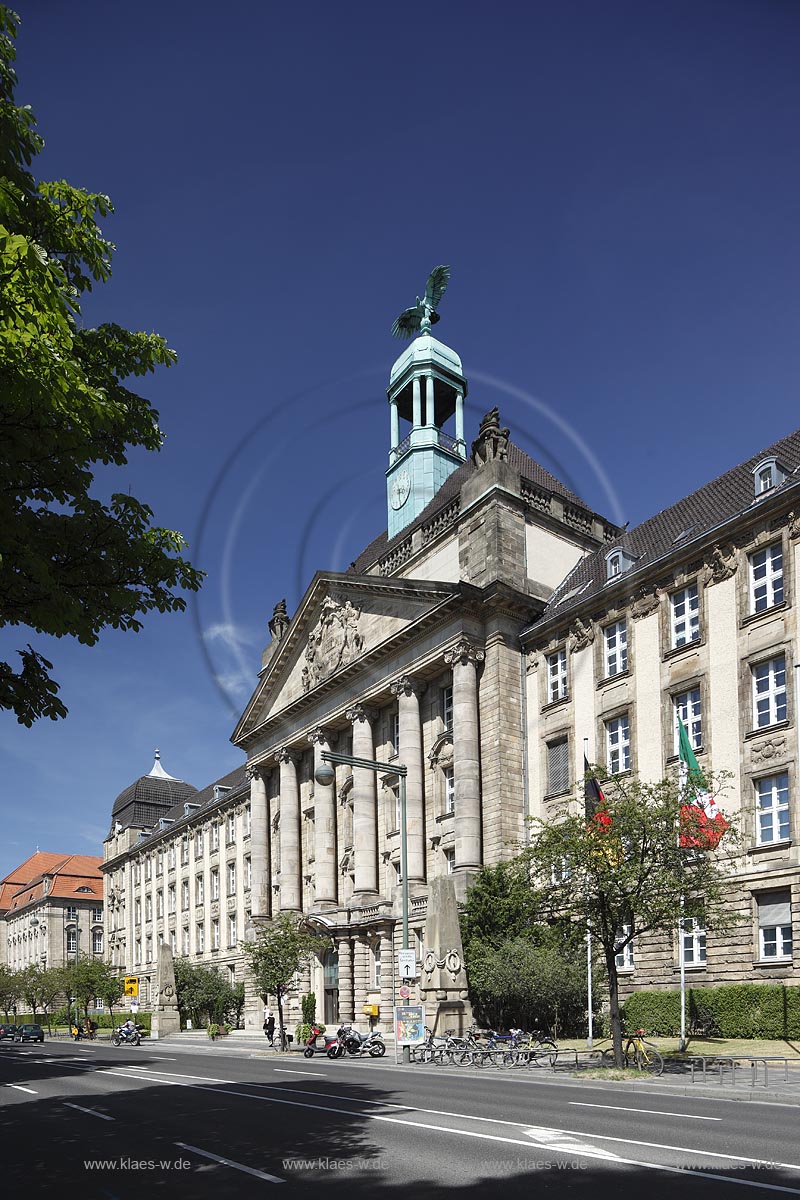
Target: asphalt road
x,y
121,1124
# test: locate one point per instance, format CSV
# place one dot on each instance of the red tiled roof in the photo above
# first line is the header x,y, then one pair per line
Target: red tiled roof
x,y
69,872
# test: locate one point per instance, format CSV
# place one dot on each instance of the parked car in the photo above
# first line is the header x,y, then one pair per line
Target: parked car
x,y
7,1031
29,1033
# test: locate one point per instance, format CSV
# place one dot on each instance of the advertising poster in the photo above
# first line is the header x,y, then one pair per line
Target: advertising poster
x,y
409,1025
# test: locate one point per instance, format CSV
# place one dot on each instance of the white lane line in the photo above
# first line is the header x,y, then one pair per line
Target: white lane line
x,y
228,1162
18,1087
92,1112
658,1112
288,1071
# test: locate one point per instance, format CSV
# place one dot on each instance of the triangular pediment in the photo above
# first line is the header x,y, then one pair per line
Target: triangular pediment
x,y
342,622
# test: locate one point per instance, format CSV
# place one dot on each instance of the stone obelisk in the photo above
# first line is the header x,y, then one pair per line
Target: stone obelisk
x,y
166,1017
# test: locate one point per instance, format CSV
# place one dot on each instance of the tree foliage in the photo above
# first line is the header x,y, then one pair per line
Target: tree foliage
x,y
275,955
72,564
10,989
624,872
204,995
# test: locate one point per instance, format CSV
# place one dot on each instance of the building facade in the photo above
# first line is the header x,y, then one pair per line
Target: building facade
x,y
52,911
494,633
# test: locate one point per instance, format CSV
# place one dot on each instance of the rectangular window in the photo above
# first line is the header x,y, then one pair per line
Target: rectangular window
x,y
198,843
215,884
185,894
97,914
247,818
199,890
137,872
215,835
137,912
394,732
138,957
173,941
171,898
685,614
148,908
557,676
694,942
769,692
72,912
449,790
766,578
615,640
148,869
148,948
376,968
232,829
160,863
201,938
624,957
772,809
231,931
171,857
185,852
558,767
215,934
159,904
231,879
446,700
185,941
775,925
72,940
248,872
97,941
688,708
618,745
450,861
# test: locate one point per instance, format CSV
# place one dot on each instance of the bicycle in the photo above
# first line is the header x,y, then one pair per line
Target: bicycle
x,y
535,1049
637,1053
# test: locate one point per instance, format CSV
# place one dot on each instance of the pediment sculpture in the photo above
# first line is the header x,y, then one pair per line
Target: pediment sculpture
x,y
492,441
333,642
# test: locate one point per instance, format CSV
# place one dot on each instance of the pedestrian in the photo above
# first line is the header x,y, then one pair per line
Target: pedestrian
x,y
269,1027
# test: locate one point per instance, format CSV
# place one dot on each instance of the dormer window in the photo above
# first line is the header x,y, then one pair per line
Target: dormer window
x,y
618,561
768,474
189,808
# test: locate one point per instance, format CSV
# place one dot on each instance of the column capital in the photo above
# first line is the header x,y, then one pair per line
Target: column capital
x,y
286,755
321,736
463,652
254,771
361,712
406,685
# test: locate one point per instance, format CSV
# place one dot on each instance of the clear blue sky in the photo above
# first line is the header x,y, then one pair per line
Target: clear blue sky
x,y
615,186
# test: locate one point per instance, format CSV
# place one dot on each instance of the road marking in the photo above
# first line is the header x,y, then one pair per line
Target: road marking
x,y
20,1088
228,1162
91,1111
658,1112
288,1071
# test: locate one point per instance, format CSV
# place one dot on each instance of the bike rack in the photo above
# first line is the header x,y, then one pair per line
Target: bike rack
x,y
730,1062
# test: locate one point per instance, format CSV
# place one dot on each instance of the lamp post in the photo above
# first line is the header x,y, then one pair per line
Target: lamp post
x,y
325,776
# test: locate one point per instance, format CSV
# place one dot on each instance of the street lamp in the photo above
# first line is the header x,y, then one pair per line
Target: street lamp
x,y
325,776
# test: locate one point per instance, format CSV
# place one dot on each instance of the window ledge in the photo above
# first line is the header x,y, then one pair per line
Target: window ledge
x,y
445,816
687,647
764,613
764,847
694,967
557,795
767,729
608,680
625,971
786,963
673,759
553,704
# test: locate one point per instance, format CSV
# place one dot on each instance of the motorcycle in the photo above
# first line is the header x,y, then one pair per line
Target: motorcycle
x,y
129,1037
337,1047
311,1046
358,1044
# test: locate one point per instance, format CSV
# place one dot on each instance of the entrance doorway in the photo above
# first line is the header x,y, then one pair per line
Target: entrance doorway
x,y
330,977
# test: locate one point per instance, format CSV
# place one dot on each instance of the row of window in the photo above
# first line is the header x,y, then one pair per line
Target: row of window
x,y
215,940
71,913
199,892
774,934
765,590
72,941
155,862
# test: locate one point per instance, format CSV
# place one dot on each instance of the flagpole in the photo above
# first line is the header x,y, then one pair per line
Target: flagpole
x,y
590,1038
682,956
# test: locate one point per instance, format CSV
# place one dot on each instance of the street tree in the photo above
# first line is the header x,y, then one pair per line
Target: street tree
x,y
110,986
203,993
73,562
275,955
10,989
642,861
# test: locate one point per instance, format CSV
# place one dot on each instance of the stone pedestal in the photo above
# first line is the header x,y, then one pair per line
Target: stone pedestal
x,y
166,1017
443,984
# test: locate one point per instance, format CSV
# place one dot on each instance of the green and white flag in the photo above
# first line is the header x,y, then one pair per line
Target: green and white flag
x,y
702,823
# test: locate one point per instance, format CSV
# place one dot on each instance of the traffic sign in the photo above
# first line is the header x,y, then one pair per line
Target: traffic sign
x,y
131,985
134,1006
407,964
404,992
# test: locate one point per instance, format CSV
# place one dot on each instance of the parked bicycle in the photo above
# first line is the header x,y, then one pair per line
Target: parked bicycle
x,y
636,1052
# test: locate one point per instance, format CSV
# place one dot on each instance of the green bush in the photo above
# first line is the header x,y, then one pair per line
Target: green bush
x,y
742,1010
302,1032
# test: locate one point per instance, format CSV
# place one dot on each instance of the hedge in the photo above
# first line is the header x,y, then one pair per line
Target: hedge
x,y
742,1010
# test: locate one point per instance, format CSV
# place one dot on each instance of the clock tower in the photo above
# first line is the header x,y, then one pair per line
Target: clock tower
x,y
426,388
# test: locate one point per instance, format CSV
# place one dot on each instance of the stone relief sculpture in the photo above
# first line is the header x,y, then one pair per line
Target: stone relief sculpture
x,y
280,621
580,635
491,442
334,642
721,564
646,602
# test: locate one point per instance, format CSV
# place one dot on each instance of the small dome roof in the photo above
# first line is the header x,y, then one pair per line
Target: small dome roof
x,y
425,351
150,797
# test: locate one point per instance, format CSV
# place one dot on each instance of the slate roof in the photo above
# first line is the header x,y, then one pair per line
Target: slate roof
x,y
234,781
517,458
718,501
148,798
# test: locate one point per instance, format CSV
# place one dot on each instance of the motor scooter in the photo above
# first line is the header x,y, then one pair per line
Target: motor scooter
x,y
311,1045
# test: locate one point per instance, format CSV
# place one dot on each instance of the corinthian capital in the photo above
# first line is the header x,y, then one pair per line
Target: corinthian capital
x,y
463,652
286,755
405,686
360,712
253,771
322,737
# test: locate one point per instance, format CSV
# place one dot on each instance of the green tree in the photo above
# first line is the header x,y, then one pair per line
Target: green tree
x,y
499,905
110,986
10,989
84,981
627,872
203,994
275,955
72,563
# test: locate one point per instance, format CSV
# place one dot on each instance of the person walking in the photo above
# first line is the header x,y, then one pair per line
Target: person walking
x,y
269,1027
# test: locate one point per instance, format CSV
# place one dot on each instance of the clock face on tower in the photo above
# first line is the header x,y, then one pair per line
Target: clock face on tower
x,y
400,489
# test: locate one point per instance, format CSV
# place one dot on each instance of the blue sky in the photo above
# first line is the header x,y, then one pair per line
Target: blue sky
x,y
614,185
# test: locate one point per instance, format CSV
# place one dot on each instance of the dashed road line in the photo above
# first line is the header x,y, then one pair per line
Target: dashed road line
x,y
91,1111
228,1162
19,1088
658,1112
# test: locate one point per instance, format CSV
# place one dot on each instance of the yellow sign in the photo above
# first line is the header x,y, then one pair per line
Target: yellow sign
x,y
131,985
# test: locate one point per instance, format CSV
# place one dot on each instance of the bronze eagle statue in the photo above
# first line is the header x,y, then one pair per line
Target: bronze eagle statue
x,y
420,318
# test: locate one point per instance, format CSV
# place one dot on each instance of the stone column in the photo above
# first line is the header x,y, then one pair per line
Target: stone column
x,y
259,844
429,407
346,1009
410,752
459,417
365,818
291,883
416,403
395,425
464,659
324,826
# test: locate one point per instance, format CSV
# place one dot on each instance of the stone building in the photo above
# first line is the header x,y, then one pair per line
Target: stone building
x,y
51,911
495,630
